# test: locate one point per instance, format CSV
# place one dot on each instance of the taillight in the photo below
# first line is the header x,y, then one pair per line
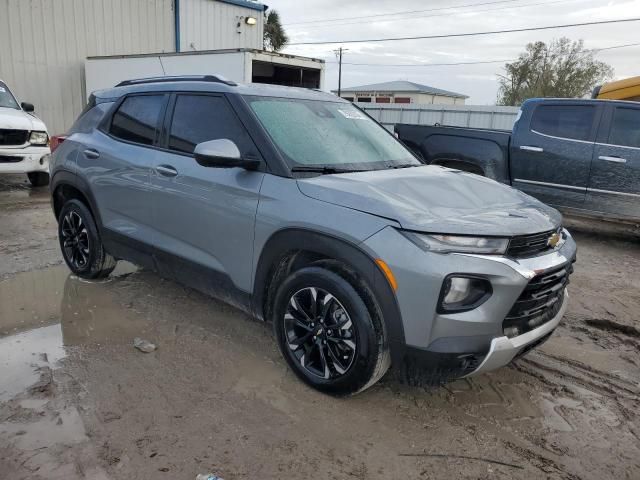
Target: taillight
x,y
55,141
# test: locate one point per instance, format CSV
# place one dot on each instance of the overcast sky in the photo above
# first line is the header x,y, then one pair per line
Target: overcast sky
x,y
477,81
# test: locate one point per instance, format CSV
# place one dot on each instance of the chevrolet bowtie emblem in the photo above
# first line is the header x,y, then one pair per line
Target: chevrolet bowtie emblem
x,y
554,240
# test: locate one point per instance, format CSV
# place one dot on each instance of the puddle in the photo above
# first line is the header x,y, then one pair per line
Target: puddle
x,y
44,311
23,354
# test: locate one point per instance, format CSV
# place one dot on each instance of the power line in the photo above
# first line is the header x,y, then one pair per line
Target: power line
x,y
320,20
480,62
386,20
469,34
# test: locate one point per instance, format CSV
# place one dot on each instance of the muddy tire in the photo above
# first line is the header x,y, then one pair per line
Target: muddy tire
x,y
327,334
38,179
80,242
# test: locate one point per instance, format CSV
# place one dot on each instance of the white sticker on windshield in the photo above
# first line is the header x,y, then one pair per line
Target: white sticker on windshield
x,y
352,114
2,90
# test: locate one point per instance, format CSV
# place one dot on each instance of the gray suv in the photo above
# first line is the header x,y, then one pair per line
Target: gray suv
x,y
298,208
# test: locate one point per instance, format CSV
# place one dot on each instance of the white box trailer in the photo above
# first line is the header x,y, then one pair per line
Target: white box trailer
x,y
238,65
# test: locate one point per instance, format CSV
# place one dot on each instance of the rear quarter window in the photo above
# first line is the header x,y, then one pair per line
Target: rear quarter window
x,y
565,121
90,119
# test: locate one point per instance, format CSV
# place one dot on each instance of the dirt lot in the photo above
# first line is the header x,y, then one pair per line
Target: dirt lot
x,y
78,401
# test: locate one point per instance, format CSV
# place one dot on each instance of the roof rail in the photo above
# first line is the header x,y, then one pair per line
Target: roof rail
x,y
178,78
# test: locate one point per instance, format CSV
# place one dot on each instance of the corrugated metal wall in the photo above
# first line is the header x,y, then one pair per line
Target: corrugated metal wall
x,y
43,44
476,116
210,25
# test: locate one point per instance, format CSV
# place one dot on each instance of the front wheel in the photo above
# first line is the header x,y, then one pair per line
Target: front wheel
x,y
327,334
80,242
38,179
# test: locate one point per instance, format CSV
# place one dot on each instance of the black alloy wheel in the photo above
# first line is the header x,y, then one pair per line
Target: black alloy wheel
x,y
75,240
320,333
80,242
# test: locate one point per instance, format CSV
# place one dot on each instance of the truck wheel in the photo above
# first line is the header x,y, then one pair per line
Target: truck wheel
x,y
80,242
326,332
38,179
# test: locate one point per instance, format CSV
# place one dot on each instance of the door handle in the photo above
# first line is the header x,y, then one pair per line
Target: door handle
x,y
91,153
531,149
612,159
166,170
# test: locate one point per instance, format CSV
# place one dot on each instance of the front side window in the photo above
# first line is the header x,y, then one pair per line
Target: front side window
x,y
625,128
7,99
137,119
200,118
565,121
324,133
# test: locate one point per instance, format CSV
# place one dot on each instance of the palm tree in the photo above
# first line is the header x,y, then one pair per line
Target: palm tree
x,y
275,37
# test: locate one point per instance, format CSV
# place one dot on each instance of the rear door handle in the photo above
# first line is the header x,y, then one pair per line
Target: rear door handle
x,y
531,149
166,170
612,159
91,153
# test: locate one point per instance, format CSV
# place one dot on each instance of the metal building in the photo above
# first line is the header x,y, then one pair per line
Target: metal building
x,y
44,43
401,91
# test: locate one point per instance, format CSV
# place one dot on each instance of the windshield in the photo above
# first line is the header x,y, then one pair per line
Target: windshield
x,y
312,133
6,98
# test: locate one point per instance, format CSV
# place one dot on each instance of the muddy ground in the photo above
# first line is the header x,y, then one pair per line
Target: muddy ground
x,y
78,401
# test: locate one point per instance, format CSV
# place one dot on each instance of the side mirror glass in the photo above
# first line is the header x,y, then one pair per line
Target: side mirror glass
x,y
223,153
27,107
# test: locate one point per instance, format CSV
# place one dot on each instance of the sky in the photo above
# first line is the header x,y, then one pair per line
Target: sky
x,y
479,82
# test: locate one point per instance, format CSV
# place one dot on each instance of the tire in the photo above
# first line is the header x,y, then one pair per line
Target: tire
x,y
38,179
351,338
80,242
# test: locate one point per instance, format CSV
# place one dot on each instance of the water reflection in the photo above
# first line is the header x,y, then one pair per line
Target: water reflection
x,y
43,311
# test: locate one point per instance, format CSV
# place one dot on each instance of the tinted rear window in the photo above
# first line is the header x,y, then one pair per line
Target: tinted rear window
x,y
625,128
137,119
565,121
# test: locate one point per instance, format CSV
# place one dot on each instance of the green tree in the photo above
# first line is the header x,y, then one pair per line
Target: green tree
x,y
562,69
275,37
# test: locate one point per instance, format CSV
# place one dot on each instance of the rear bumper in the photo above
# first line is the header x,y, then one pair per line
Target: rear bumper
x,y
24,160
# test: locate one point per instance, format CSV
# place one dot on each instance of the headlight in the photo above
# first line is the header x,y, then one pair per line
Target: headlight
x,y
39,138
458,243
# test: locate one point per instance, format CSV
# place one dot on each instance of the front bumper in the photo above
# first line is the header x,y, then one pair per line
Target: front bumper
x,y
454,345
503,349
24,160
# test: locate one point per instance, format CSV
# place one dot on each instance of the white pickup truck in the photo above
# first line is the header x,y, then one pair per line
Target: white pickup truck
x,y
24,142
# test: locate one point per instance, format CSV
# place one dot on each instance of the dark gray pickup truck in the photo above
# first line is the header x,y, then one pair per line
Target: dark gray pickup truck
x,y
579,155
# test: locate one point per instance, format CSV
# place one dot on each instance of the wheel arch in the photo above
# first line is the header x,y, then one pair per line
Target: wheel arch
x,y
66,186
290,249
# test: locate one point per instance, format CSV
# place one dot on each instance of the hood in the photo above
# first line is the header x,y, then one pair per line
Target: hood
x,y
14,119
436,199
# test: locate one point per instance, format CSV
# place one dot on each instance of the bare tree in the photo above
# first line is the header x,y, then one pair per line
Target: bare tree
x,y
275,37
562,69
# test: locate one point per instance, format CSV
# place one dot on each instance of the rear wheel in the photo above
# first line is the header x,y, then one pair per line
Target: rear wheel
x,y
80,242
327,334
38,179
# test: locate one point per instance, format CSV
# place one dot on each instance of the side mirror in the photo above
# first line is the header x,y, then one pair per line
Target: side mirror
x,y
27,107
223,153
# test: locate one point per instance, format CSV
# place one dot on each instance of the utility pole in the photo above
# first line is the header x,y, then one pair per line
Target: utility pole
x,y
339,55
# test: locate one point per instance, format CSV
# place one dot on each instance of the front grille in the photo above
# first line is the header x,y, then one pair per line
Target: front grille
x,y
540,301
530,245
10,159
13,137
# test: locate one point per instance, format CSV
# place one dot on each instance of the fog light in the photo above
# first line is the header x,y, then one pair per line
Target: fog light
x,y
460,294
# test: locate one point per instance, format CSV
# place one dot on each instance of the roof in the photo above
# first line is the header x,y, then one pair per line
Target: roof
x,y
248,4
402,86
206,52
192,84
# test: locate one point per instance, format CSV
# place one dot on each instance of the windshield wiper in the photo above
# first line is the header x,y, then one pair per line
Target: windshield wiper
x,y
324,169
405,165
